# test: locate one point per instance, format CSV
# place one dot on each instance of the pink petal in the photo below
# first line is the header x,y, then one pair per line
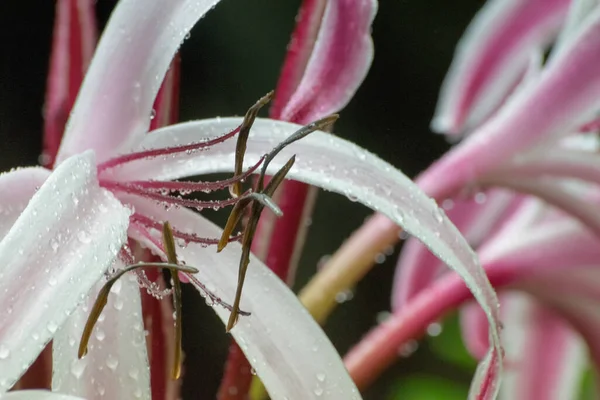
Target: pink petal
x,y
492,56
474,217
115,102
578,11
37,395
74,40
296,368
474,329
546,358
56,250
338,63
566,95
16,189
116,365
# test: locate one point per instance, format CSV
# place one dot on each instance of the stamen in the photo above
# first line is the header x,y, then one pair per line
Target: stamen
x,y
102,298
167,200
257,206
169,244
191,187
188,237
165,151
240,148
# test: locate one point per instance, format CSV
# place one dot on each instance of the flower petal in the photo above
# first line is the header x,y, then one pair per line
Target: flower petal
x,y
566,95
303,367
37,395
474,329
115,101
475,217
333,164
491,57
16,189
545,357
338,64
578,11
116,365
74,39
57,249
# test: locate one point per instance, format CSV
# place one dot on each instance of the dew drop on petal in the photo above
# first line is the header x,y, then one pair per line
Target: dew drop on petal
x,y
112,362
84,237
321,377
77,368
4,352
52,327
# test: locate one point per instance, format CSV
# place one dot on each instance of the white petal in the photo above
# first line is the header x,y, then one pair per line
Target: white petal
x,y
54,253
116,97
333,164
37,395
16,189
116,365
286,347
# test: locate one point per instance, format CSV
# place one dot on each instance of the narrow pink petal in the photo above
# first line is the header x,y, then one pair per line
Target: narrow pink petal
x,y
16,189
491,57
308,24
338,63
566,95
116,365
38,395
115,102
475,217
546,358
57,249
555,193
296,368
74,40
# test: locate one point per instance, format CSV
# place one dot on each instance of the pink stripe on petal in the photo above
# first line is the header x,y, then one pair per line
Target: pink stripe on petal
x,y
491,57
308,23
338,64
566,95
74,40
115,102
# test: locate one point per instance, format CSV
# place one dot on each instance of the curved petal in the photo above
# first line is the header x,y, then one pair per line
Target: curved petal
x,y
566,95
491,57
578,11
474,329
115,101
338,64
16,189
116,365
304,367
475,217
333,164
56,250
37,395
545,357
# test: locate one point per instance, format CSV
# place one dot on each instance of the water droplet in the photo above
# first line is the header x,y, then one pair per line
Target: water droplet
x,y
152,114
100,335
84,237
112,362
118,305
318,391
134,373
54,245
480,197
434,329
408,348
52,327
352,198
252,371
379,258
77,368
321,377
4,352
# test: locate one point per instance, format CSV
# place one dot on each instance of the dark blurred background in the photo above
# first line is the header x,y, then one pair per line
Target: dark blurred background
x,y
232,58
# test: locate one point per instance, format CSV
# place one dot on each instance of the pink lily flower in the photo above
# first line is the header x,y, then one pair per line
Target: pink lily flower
x,y
540,236
63,230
